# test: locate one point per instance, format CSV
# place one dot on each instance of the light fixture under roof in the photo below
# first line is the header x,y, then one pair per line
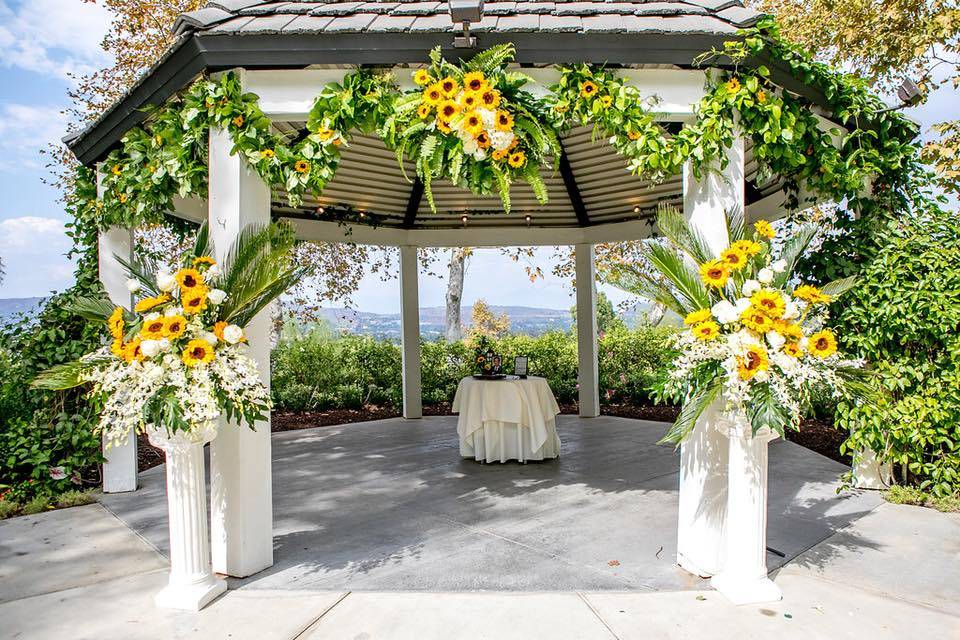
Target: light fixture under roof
x,y
465,12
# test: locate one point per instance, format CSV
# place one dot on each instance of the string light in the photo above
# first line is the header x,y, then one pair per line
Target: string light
x,y
320,210
528,218
463,219
636,209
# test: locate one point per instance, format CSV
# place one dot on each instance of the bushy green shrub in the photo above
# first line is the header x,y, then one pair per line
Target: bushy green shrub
x,y
8,509
37,504
74,499
630,362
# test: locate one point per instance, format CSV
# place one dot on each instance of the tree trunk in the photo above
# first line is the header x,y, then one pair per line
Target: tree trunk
x,y
656,313
458,266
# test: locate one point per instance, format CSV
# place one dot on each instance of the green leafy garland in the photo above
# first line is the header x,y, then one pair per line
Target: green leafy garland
x,y
430,127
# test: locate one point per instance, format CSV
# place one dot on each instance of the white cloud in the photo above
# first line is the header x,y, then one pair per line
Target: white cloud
x,y
29,234
52,37
24,131
33,249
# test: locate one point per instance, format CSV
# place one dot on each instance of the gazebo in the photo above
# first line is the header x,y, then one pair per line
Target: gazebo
x,y
286,52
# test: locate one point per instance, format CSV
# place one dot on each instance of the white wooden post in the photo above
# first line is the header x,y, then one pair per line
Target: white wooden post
x,y
703,455
410,333
240,466
743,574
120,464
588,378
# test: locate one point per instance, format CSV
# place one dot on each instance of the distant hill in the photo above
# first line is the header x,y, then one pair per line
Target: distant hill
x,y
12,307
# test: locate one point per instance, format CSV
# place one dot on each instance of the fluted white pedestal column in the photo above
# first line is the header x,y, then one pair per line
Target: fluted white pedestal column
x,y
743,574
703,495
192,582
869,472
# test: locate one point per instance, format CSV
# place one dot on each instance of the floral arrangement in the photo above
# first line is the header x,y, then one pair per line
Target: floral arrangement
x,y
178,360
473,124
753,340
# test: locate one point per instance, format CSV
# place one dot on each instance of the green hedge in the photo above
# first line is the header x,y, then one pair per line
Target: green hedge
x,y
316,371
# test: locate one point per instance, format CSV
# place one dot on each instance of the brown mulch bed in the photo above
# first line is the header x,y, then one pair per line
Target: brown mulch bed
x,y
817,435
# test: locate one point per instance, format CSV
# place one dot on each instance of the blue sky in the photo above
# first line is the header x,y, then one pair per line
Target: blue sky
x,y
42,42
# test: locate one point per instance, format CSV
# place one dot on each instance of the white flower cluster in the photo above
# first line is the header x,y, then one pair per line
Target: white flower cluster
x,y
499,140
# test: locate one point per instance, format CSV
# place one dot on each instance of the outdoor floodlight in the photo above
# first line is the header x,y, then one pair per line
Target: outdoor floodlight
x,y
465,12
909,93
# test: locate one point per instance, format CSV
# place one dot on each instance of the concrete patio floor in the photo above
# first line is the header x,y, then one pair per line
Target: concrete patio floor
x,y
382,533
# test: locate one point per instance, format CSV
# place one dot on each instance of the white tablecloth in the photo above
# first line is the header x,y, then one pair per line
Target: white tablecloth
x,y
504,420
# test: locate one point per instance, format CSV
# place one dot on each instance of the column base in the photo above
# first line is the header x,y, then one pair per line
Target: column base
x,y
190,597
740,591
691,566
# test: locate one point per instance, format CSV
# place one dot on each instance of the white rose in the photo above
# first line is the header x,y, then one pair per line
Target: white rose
x,y
775,339
150,348
166,281
232,334
790,310
779,266
173,311
741,305
216,296
210,337
803,343
479,154
765,275
469,145
750,287
724,312
164,344
133,285
214,272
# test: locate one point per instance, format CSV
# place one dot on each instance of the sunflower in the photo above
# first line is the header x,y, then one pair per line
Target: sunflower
x,y
822,344
706,331
606,101
732,85
197,352
499,154
153,329
755,360
761,96
116,348
203,261
443,126
449,87
764,229
469,100
757,320
588,89
325,133
447,109
423,111
633,135
194,301
748,247
173,326
150,303
115,323
189,279
122,197
472,122
811,294
422,77
490,99
698,316
268,153
433,94
238,121
788,330
734,259
474,81
503,121
218,329
792,349
714,273
517,159
116,170
301,166
771,302
131,351
483,140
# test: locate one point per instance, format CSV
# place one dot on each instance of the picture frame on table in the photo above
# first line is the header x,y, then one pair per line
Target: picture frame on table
x,y
520,364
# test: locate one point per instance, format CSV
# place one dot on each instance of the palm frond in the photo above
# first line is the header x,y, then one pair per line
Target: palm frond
x,y
143,270
201,245
93,309
63,376
692,409
677,229
680,274
793,248
244,313
839,287
634,282
736,225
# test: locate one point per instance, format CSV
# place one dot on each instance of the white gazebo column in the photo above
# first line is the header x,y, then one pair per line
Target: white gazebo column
x,y
703,455
191,584
241,512
743,576
588,378
410,333
120,460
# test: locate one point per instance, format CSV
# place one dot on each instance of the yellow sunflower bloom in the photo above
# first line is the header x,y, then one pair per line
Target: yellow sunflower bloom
x,y
517,159
733,258
469,100
194,301
483,140
714,273
698,316
325,133
606,101
771,302
706,331
503,121
499,154
422,77
218,329
174,326
433,94
153,329
151,303
733,85
764,229
474,81
490,99
633,135
268,154
792,349
131,351
447,110
822,344
811,294
238,121
423,111
588,89
748,247
197,353
756,320
116,170
761,96
472,122
791,331
443,126
115,323
301,166
203,261
449,87
754,361
116,348
188,279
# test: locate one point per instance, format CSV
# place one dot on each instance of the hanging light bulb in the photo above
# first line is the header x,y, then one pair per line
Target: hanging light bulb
x,y
636,209
320,210
463,219
528,219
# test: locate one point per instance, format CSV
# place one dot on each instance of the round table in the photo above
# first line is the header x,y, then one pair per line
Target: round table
x,y
510,419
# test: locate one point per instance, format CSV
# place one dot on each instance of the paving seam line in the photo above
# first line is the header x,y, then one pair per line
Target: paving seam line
x,y
596,613
86,586
134,531
313,624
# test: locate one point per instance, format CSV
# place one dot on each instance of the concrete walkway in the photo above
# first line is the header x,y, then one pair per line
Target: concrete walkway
x,y
888,572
